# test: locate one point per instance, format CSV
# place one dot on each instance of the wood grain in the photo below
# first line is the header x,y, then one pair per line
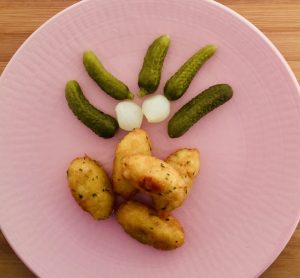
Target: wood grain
x,y
278,19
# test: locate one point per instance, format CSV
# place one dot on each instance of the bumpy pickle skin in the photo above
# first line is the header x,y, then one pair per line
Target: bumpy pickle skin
x,y
198,107
100,123
150,74
105,80
177,85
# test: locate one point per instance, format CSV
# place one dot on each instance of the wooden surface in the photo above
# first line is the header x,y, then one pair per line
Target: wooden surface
x,y
278,19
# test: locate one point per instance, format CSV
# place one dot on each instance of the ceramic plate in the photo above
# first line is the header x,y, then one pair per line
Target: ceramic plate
x,y
245,203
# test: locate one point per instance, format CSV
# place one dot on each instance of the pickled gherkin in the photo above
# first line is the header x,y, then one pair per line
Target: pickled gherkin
x,y
198,107
177,85
105,80
149,77
102,124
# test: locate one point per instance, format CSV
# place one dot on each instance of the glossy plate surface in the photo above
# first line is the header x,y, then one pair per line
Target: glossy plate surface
x,y
245,203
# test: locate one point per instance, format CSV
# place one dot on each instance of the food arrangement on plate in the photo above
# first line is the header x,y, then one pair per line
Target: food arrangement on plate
x,y
167,182
243,205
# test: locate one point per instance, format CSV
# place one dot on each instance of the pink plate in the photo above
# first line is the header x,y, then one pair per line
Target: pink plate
x,y
244,205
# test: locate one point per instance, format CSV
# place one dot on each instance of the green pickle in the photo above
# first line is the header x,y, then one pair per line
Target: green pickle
x,y
105,80
150,74
102,124
199,106
177,85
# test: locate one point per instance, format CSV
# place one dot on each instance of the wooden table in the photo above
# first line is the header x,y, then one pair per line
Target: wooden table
x,y
278,19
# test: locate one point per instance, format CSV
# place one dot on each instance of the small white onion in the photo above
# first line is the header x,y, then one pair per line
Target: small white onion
x,y
156,108
129,115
